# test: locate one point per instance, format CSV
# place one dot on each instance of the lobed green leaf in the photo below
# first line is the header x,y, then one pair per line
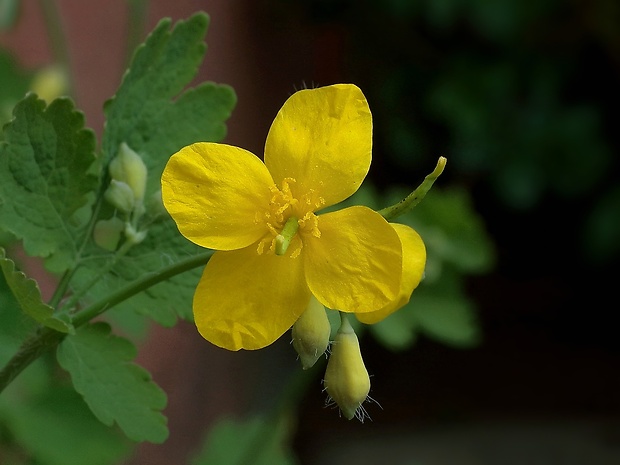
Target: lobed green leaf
x,y
164,302
150,111
115,389
155,117
45,184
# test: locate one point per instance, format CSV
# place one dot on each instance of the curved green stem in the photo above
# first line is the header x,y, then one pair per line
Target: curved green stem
x,y
43,340
133,288
417,195
136,21
46,338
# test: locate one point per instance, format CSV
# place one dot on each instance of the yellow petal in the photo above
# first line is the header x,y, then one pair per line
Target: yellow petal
x,y
414,260
247,301
355,264
213,192
322,138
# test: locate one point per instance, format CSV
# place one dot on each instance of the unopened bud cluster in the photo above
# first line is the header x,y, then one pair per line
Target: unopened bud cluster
x,y
128,184
126,193
346,379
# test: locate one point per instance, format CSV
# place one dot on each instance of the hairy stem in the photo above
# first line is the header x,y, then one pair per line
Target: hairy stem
x,y
45,338
416,196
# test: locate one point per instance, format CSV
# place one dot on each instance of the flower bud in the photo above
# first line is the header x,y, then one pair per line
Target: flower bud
x,y
311,333
50,82
133,235
107,233
346,378
129,168
120,195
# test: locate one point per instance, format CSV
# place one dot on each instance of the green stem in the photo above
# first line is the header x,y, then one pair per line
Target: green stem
x,y
55,32
63,284
61,289
136,19
133,288
46,338
416,196
43,340
75,298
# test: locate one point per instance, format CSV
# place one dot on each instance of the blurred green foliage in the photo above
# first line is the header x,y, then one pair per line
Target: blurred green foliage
x,y
519,96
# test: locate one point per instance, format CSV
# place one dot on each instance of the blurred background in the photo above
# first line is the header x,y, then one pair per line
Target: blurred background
x,y
508,353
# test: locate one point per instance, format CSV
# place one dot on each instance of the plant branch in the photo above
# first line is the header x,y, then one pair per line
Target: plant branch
x,y
416,196
45,338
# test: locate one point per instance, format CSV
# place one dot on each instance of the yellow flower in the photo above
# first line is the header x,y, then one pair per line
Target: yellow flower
x,y
273,251
414,261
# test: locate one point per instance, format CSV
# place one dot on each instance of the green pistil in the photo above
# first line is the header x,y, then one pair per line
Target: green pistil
x,y
285,237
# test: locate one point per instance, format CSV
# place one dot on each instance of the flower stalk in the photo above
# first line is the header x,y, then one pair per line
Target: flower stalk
x,y
45,338
409,202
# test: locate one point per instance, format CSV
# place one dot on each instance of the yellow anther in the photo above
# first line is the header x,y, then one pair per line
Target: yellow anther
x,y
297,251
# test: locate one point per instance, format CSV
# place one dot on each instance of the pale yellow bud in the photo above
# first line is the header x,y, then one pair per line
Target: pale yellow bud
x,y
120,195
129,168
346,378
50,82
311,333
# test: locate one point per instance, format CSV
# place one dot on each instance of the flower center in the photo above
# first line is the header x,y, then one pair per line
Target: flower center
x,y
288,219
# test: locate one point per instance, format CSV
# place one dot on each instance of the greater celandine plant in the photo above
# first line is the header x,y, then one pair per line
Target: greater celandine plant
x,y
94,213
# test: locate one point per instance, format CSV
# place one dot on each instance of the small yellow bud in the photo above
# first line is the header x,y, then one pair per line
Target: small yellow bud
x,y
129,168
346,378
120,195
311,333
50,82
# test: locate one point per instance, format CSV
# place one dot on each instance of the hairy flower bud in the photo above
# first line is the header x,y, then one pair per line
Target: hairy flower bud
x,y
129,168
311,333
120,195
346,378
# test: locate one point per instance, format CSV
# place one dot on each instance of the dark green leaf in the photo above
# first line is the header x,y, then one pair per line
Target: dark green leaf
x,y
15,327
44,179
255,441
163,246
57,428
398,331
115,389
450,319
150,111
152,114
451,229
